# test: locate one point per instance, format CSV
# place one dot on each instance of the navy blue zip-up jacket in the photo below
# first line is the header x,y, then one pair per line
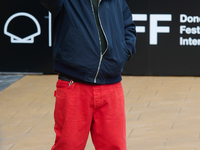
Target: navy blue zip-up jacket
x,y
77,47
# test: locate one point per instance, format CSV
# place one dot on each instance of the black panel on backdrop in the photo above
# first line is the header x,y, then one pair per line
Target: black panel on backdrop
x,y
24,37
176,53
170,43
168,40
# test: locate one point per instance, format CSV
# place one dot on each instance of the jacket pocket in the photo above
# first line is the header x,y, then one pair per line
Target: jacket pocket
x,y
127,53
115,58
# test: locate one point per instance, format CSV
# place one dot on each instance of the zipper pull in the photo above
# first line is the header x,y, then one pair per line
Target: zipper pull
x,y
71,82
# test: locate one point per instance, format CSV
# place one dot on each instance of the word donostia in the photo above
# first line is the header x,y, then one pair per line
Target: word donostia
x,y
190,19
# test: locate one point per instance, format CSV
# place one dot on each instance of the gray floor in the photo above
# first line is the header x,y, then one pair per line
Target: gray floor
x,y
7,80
162,113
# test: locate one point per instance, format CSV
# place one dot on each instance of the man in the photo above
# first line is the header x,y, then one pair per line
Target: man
x,y
92,41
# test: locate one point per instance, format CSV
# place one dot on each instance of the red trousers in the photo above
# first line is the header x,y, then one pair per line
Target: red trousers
x,y
82,108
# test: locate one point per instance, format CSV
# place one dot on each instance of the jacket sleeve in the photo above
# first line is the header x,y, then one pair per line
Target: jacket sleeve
x,y
129,28
54,6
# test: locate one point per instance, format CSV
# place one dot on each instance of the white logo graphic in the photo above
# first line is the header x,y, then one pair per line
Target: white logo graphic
x,y
49,17
154,29
17,39
139,17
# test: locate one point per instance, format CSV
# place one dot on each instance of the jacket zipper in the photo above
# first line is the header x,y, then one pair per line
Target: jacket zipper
x,y
101,55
